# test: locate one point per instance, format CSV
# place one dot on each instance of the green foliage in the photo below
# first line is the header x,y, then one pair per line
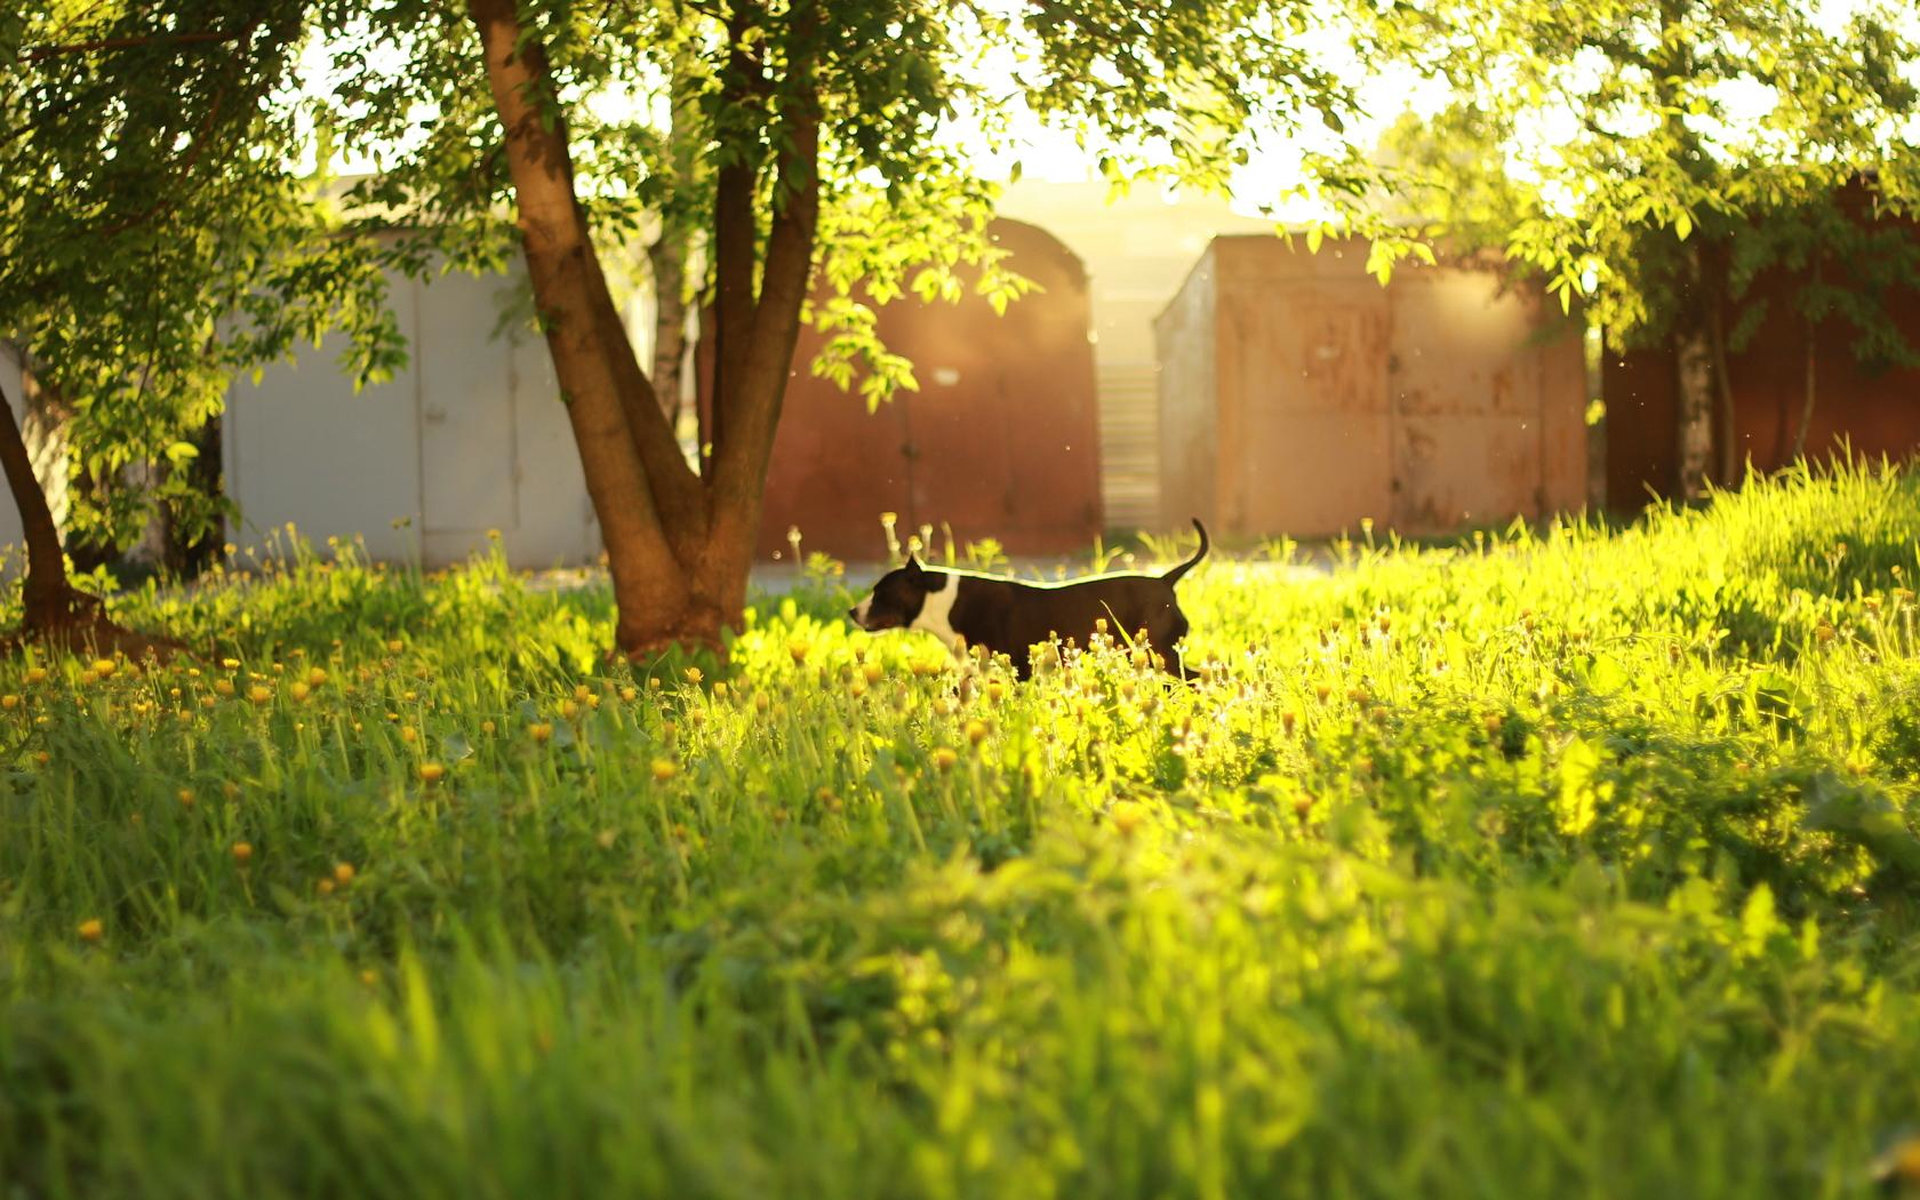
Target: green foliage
x,y
1577,862
1647,158
154,240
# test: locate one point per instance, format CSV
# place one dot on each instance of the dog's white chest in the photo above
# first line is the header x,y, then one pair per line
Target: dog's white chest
x,y
935,616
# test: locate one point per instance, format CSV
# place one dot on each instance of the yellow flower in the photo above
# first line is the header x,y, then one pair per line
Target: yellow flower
x,y
487,727
259,693
568,710
540,731
605,838
393,647
91,929
797,647
104,667
692,674
409,734
242,852
1127,817
186,797
664,769
36,674
627,694
582,693
874,672
299,690
343,873
9,701
231,664
944,757
431,772
316,677
760,702
976,731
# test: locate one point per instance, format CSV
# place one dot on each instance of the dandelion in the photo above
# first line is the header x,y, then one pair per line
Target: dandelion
x,y
242,853
231,664
343,873
797,648
36,674
761,703
9,701
104,667
185,796
628,694
91,929
692,675
324,887
316,677
259,693
944,757
487,727
540,731
976,731
300,691
432,772
1127,816
393,646
664,769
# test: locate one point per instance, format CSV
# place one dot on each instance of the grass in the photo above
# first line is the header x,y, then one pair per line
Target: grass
x,y
1572,864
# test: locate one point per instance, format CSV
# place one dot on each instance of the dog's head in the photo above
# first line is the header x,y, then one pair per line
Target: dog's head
x,y
897,601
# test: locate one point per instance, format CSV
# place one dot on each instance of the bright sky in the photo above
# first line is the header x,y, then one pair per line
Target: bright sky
x,y
1274,166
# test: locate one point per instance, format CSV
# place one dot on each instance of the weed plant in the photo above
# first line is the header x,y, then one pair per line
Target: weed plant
x,y
1571,863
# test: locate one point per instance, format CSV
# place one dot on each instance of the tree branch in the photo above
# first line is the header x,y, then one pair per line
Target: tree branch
x,y
734,234
753,411
39,54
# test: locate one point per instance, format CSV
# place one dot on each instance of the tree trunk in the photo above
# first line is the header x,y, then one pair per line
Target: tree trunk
x,y
1693,354
1806,405
54,611
1723,394
48,598
679,544
668,259
600,379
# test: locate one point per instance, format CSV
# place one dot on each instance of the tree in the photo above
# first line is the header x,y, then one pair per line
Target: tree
x,y
821,142
154,240
1653,158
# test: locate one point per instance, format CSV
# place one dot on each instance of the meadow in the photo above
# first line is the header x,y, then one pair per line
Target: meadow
x,y
1578,862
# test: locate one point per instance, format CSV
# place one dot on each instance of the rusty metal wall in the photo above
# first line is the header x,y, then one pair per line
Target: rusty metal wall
x,y
1876,412
1442,401
1001,441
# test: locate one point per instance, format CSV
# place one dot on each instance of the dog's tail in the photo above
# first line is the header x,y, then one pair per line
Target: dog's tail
x,y
1172,577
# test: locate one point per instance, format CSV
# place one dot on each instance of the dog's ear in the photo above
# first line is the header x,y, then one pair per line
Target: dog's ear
x,y
913,568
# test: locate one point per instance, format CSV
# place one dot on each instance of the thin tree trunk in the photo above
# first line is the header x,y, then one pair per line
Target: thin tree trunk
x,y
47,596
1723,393
747,409
668,259
1693,354
1806,405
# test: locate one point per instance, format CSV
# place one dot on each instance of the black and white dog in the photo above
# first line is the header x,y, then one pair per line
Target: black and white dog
x,y
1009,617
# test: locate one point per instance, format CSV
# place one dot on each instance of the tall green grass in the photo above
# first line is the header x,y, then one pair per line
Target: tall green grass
x,y
1570,863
